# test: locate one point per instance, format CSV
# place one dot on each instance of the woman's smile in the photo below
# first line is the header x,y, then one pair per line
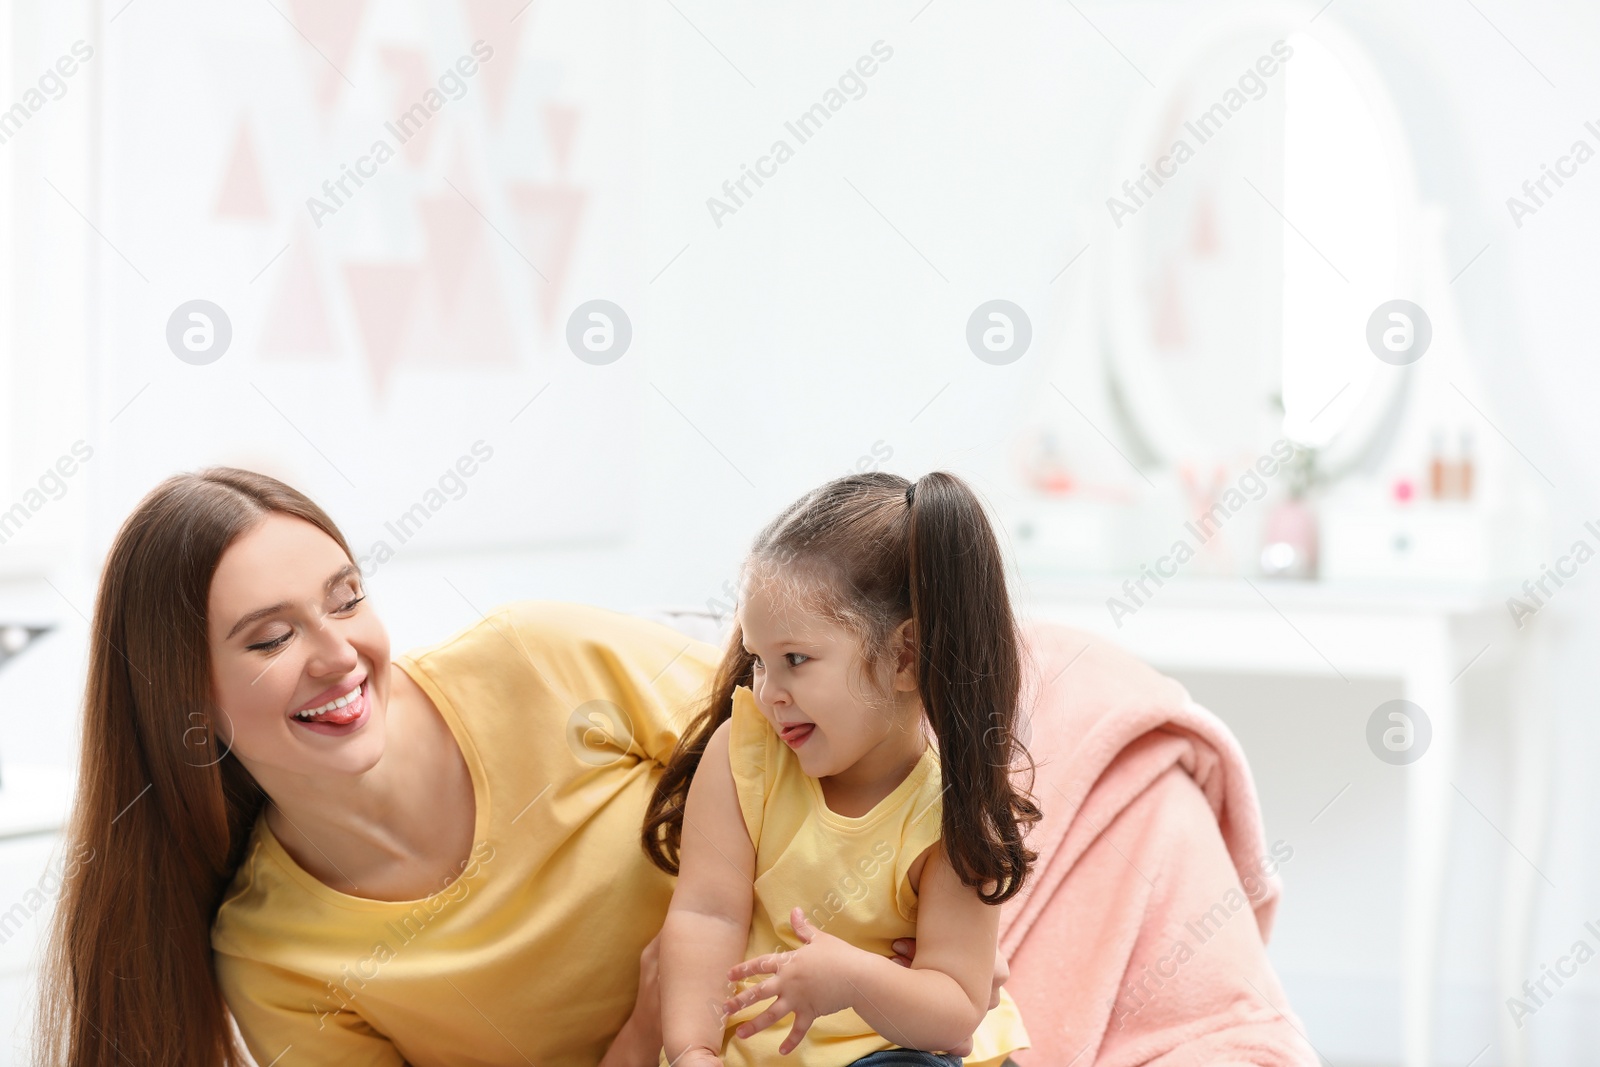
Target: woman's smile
x,y
341,714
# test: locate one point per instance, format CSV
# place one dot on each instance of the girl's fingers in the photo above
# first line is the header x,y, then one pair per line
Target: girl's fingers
x,y
749,996
773,1013
768,964
802,1023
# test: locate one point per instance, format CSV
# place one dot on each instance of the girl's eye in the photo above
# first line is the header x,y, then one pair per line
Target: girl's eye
x,y
350,605
789,657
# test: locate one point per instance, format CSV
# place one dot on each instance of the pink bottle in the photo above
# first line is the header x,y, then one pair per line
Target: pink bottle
x,y
1289,547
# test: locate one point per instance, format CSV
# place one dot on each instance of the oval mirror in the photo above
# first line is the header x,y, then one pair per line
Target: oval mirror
x,y
1262,211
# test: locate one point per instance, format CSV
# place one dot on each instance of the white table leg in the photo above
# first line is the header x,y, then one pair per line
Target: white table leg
x,y
1429,800
1530,719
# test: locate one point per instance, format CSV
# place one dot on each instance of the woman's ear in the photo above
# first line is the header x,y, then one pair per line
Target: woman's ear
x,y
903,642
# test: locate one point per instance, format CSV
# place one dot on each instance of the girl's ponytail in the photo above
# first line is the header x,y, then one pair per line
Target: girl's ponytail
x,y
969,676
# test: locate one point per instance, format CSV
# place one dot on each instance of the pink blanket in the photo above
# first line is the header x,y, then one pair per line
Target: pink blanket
x,y
1141,937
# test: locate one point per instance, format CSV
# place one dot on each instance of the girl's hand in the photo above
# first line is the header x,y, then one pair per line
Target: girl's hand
x,y
811,981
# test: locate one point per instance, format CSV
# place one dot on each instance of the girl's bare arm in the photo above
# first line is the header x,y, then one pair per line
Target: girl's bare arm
x,y
934,1004
939,1000
708,923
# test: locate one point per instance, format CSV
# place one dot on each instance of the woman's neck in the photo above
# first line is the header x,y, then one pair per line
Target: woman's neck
x,y
394,832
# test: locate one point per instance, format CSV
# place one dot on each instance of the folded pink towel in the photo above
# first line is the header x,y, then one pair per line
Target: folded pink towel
x,y
1141,937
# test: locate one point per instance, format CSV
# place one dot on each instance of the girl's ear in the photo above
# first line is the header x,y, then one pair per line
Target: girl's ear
x,y
903,646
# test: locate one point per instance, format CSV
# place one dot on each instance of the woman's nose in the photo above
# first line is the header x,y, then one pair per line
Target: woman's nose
x,y
332,653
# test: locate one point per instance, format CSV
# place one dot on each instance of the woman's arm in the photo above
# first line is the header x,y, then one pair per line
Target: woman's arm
x,y
638,1043
935,1003
708,923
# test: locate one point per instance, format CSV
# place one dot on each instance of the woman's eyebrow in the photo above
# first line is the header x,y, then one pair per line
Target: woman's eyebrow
x,y
261,613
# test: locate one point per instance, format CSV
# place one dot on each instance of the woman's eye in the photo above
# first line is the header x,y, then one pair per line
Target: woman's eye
x,y
278,642
268,646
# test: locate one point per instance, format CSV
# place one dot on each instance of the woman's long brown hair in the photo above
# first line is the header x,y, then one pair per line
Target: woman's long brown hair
x,y
162,812
874,552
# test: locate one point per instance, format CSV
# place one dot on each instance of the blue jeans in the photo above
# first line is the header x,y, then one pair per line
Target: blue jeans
x,y
906,1057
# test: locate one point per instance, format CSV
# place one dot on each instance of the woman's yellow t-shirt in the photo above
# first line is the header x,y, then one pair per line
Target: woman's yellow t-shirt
x,y
852,877
564,715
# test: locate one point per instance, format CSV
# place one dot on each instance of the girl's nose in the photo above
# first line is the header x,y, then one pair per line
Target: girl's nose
x,y
770,693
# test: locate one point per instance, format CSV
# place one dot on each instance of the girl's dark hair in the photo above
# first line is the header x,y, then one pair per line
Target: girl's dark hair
x,y
163,813
875,550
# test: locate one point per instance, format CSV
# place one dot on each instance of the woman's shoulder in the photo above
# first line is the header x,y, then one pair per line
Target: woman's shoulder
x,y
557,640
556,623
538,665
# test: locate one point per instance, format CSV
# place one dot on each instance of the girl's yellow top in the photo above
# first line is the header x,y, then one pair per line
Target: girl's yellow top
x,y
564,715
852,877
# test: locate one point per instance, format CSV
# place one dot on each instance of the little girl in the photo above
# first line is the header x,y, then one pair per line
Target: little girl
x,y
822,822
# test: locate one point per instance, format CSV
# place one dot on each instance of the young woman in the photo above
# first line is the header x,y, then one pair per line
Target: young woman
x,y
370,862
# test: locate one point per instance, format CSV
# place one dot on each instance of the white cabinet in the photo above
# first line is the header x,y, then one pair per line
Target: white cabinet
x,y
1426,642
